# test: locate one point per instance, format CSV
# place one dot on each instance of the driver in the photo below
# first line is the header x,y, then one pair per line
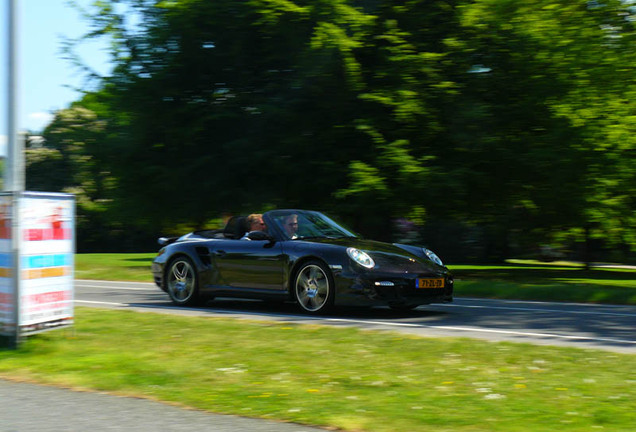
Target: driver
x,y
290,224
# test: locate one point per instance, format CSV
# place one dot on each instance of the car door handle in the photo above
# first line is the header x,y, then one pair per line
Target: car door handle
x,y
220,253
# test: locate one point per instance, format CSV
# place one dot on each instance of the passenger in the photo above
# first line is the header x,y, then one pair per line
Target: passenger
x,y
254,223
290,224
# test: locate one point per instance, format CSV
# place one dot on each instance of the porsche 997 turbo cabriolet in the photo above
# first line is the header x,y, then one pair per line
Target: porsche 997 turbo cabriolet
x,y
302,256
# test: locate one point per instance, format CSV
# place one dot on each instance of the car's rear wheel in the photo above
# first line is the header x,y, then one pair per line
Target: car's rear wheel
x,y
181,282
314,287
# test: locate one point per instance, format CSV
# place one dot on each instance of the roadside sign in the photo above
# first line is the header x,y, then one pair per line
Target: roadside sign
x,y
37,236
44,265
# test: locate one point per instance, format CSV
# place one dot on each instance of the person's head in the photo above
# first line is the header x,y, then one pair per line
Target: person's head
x,y
290,224
255,222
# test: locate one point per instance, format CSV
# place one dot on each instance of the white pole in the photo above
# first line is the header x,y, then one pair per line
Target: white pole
x,y
12,182
14,176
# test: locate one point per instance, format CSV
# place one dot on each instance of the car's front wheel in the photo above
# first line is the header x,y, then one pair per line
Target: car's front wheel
x,y
314,287
181,282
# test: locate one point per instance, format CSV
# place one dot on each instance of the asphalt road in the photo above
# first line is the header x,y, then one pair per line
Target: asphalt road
x,y
605,327
34,408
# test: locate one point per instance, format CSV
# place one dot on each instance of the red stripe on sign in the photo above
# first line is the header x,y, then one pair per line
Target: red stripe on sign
x,y
49,297
38,234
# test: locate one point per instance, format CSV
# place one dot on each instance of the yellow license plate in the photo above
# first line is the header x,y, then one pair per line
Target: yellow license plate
x,y
430,283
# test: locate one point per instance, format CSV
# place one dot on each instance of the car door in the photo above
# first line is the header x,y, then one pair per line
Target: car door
x,y
255,264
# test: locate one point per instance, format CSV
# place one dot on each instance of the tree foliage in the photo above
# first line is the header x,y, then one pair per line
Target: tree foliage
x,y
506,123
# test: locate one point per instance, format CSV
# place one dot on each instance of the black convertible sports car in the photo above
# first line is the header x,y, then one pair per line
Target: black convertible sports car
x,y
302,256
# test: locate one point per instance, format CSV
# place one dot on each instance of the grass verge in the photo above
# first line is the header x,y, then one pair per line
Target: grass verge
x,y
339,377
112,266
531,280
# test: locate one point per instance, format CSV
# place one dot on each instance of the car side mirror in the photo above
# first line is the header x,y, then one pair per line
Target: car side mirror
x,y
259,236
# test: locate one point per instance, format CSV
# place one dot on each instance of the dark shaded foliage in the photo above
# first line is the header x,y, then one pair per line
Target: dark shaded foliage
x,y
497,127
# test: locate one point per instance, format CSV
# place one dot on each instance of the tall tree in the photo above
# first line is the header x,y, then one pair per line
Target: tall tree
x,y
230,102
553,94
74,158
512,118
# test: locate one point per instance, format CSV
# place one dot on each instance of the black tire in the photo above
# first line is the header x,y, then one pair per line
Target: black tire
x,y
181,282
313,288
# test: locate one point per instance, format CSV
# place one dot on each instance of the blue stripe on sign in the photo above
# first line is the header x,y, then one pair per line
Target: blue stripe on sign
x,y
5,259
41,261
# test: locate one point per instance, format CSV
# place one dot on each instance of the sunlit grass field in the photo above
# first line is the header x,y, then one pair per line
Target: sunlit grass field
x,y
516,279
110,266
339,377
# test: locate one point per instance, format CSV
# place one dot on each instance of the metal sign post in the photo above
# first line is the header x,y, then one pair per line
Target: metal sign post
x,y
12,181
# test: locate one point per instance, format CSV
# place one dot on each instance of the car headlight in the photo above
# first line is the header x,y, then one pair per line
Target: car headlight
x,y
432,256
360,257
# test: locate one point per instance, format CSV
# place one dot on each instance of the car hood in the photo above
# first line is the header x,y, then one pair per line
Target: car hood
x,y
389,257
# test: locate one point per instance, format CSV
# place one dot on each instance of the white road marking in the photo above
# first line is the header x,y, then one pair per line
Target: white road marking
x,y
538,310
539,302
483,330
99,302
409,325
108,282
120,288
151,287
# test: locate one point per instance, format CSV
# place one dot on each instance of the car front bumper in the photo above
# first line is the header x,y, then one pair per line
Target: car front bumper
x,y
157,274
389,289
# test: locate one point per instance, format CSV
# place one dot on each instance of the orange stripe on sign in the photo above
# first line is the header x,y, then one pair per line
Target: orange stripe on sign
x,y
5,272
46,272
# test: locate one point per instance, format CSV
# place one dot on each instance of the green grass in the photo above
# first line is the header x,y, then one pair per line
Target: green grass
x,y
531,280
110,266
339,377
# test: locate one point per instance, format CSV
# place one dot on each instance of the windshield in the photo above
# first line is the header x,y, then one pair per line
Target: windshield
x,y
301,224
